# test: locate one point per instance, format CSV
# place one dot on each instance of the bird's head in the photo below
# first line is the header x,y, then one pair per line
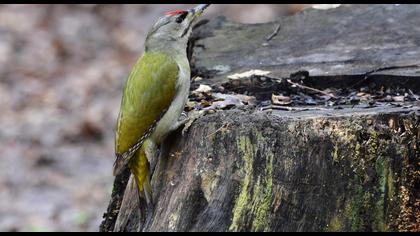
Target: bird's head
x,y
174,26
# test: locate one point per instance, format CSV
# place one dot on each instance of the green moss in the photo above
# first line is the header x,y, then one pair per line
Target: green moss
x,y
367,204
353,209
371,152
385,186
259,223
241,203
253,202
349,218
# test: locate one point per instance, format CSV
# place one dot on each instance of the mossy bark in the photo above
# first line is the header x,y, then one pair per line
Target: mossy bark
x,y
267,172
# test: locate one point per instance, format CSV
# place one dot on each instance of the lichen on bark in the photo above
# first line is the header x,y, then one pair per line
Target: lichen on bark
x,y
254,200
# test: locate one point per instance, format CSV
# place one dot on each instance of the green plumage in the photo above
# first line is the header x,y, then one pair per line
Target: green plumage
x,y
148,92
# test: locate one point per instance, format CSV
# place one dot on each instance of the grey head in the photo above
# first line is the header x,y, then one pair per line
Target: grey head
x,y
173,29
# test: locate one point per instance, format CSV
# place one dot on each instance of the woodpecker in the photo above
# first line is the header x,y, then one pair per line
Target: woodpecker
x,y
154,96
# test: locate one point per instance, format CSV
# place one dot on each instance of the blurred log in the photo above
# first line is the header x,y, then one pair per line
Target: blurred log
x,y
351,169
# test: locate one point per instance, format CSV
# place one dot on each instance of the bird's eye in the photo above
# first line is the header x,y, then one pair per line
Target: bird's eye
x,y
181,17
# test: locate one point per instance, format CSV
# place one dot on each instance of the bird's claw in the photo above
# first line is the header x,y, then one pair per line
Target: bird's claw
x,y
183,116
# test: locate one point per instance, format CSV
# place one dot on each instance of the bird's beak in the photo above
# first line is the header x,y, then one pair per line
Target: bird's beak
x,y
198,10
193,14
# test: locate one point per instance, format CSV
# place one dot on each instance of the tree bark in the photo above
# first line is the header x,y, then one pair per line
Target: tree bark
x,y
244,169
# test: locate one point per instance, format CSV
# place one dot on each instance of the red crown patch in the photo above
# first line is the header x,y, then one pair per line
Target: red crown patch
x,y
174,13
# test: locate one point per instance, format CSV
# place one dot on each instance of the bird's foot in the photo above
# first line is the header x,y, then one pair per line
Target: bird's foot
x,y
193,115
183,117
182,120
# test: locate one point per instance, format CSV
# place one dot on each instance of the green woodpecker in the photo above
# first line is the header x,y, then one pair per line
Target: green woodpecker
x,y
154,96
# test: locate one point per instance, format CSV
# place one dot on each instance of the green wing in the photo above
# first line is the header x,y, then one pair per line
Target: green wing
x,y
148,92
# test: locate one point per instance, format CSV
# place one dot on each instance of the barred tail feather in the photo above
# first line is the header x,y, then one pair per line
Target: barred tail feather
x,y
139,188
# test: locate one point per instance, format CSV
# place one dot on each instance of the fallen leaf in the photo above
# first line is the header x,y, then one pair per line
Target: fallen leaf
x,y
247,100
203,89
280,100
248,74
325,97
398,98
226,101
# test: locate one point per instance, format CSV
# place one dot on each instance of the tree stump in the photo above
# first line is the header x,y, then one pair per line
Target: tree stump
x,y
347,167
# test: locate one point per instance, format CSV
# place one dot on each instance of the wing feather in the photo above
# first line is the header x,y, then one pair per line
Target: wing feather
x,y
148,93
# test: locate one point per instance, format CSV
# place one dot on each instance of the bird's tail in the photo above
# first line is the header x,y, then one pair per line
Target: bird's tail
x,y
140,168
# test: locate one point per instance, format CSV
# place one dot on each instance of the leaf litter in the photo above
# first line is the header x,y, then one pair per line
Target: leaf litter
x,y
257,88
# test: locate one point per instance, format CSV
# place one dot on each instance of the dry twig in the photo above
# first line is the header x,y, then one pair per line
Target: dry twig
x,y
276,31
312,89
287,108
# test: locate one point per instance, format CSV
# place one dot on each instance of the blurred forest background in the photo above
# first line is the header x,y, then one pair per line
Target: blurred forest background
x,y
62,68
